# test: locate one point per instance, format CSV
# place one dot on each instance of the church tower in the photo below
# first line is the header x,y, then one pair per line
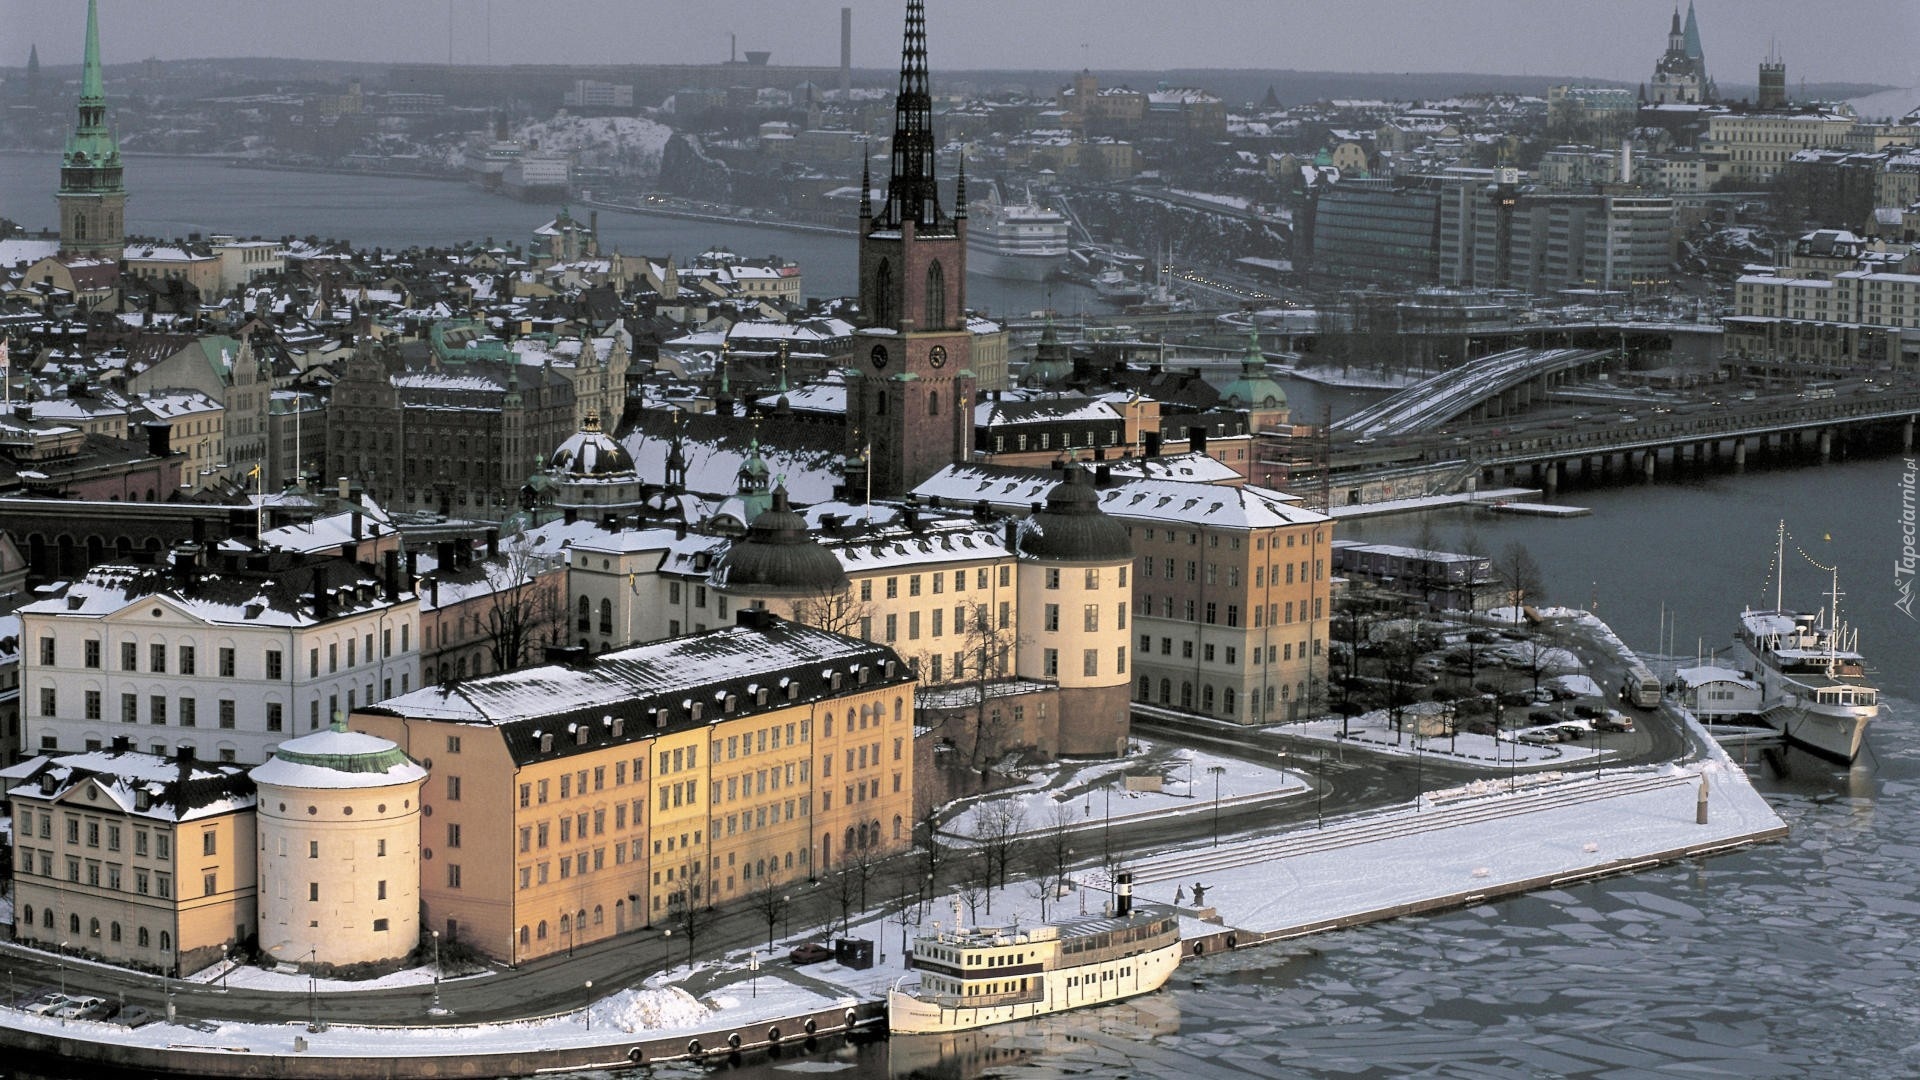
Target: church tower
x,y
911,394
92,196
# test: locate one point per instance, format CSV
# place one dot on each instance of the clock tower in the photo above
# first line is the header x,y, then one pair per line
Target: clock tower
x,y
92,195
910,390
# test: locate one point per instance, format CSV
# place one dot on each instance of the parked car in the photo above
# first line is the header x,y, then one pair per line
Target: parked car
x,y
1571,732
810,953
134,1016
1541,736
46,1003
1587,712
74,1008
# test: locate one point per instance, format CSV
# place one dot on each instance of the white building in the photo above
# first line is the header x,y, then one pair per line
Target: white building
x,y
1717,693
226,664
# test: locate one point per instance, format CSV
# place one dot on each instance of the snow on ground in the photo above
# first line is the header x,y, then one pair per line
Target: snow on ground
x,y
287,980
1356,379
1094,790
633,141
1429,502
1582,685
1374,733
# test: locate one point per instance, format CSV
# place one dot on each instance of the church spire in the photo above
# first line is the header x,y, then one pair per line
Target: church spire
x,y
92,88
912,194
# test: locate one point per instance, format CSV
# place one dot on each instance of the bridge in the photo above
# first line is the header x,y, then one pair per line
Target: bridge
x,y
1543,449
1492,386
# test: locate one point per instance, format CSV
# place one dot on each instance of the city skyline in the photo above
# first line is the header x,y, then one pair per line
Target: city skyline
x,y
1604,39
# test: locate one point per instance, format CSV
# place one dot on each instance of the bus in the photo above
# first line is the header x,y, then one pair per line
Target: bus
x,y
1639,688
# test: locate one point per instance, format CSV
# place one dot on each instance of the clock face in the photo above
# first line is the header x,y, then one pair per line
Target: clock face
x,y
878,356
937,356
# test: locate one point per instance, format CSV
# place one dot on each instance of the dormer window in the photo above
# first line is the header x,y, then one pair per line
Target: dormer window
x,y
694,712
546,744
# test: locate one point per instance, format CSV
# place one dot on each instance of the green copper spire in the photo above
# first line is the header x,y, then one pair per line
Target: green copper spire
x,y
1254,389
91,89
92,193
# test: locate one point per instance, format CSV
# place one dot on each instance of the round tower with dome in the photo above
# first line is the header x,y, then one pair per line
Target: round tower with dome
x,y
779,566
590,474
1074,563
1254,390
340,855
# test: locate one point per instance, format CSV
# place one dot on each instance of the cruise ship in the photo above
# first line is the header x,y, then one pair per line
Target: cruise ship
x,y
1016,241
1813,687
973,977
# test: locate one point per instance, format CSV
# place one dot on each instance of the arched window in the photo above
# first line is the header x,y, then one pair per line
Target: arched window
x,y
113,933
1226,701
566,924
933,403
1186,695
760,868
936,313
896,710
73,924
599,915
540,931
166,941
46,919
606,616
862,836
883,294
1146,688
142,938
1166,691
1206,697
586,613
848,845
79,226
27,914
896,826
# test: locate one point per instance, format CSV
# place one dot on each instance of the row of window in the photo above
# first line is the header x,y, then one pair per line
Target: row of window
x,y
143,937
1272,654
184,711
1209,613
186,658
1089,662
1228,697
99,875
937,581
94,830
1190,538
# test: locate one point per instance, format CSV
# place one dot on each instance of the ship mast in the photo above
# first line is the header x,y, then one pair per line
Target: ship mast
x,y
1779,565
1833,631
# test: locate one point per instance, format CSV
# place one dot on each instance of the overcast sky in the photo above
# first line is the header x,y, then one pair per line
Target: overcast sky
x,y
1821,40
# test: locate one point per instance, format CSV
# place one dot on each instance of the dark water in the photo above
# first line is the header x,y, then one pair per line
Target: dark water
x,y
174,197
1797,959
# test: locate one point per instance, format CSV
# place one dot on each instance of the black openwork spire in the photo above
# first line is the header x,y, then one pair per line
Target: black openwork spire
x,y
912,194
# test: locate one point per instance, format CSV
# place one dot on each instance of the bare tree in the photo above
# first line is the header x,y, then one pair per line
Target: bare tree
x,y
1520,575
771,904
838,612
1400,670
996,830
1051,853
688,919
933,856
843,895
526,609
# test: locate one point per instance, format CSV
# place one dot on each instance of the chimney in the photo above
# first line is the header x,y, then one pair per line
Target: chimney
x,y
680,529
493,540
356,524
159,436
443,554
23,410
846,52
413,566
1013,534
391,564
1197,439
185,754
911,514
1122,894
1153,444
320,597
122,744
569,514
433,590
1103,476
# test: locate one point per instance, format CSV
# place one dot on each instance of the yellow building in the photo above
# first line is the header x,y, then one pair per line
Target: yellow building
x,y
133,858
339,826
568,804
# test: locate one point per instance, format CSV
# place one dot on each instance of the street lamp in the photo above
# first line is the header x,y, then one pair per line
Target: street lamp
x,y
436,973
586,1012
63,969
313,989
1106,824
1216,770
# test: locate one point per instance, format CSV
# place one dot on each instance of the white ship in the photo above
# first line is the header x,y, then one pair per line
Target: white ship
x,y
1813,687
1016,241
969,978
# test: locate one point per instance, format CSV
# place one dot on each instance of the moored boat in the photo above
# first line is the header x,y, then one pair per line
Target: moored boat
x,y
969,977
1813,687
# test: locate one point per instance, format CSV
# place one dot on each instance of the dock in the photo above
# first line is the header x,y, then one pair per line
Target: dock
x,y
1534,509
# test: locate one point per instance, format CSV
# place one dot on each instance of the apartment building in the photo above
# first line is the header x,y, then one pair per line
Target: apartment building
x,y
580,802
222,658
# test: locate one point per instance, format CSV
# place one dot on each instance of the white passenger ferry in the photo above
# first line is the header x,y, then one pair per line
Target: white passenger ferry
x,y
1813,687
969,978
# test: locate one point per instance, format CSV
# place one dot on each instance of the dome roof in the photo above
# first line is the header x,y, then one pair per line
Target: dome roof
x,y
338,758
1073,527
589,453
779,558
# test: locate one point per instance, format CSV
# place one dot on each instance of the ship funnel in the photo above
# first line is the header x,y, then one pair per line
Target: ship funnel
x,y
1122,894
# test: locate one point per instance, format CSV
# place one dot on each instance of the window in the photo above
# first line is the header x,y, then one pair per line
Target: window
x,y
189,712
453,875
276,719
49,701
453,789
1053,577
1051,664
1053,617
129,656
157,709
1091,617
209,843
1090,662
92,654
313,892
274,666
157,658
226,663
